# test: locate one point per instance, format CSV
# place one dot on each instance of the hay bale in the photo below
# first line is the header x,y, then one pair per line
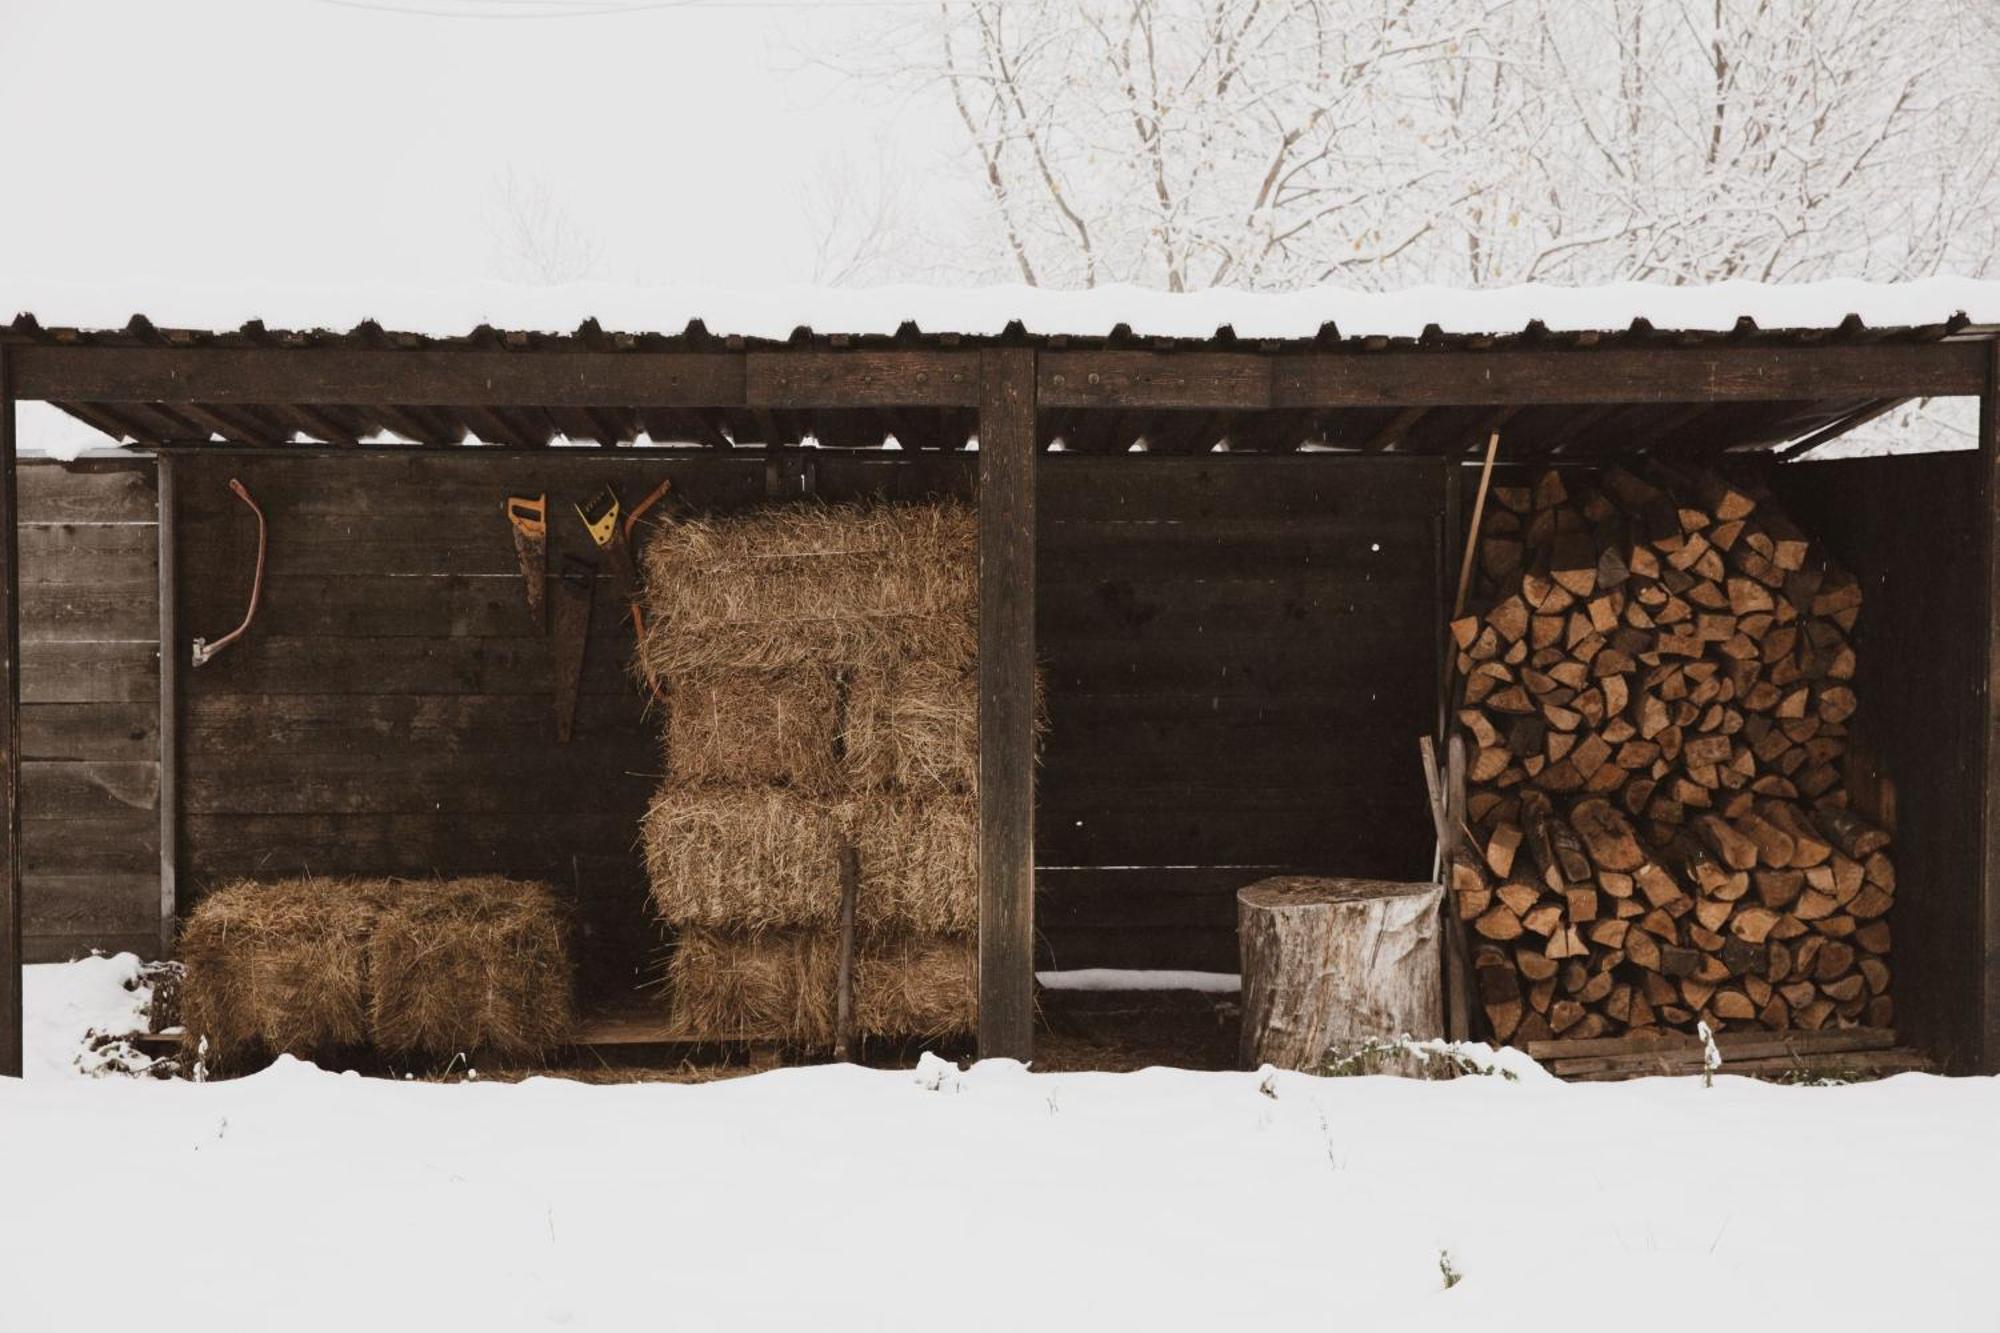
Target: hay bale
x,y
913,726
919,861
278,968
727,984
755,728
477,965
837,585
916,985
730,985
747,858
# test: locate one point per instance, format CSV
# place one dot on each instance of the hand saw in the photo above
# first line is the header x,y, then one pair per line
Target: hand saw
x,y
529,516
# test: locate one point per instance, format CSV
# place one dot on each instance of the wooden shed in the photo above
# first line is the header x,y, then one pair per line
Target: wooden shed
x,y
1231,555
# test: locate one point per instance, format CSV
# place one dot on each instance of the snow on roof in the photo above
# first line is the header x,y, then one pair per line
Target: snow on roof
x,y
985,311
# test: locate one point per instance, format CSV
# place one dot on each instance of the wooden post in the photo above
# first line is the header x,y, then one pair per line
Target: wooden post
x,y
10,739
170,664
1987,952
1006,703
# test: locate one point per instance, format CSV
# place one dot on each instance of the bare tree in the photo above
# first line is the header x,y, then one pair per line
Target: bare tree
x,y
535,240
1377,143
860,219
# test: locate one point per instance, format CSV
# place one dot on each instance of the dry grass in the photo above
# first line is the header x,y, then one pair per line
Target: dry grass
x,y
278,968
913,726
743,857
474,965
836,585
761,858
784,984
319,968
916,985
755,728
919,861
730,985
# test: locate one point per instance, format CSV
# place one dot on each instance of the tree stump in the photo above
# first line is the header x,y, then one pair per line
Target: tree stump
x,y
1331,964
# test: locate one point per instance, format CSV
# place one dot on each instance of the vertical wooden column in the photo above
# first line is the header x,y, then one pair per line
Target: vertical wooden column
x,y
170,668
1006,703
1987,542
10,738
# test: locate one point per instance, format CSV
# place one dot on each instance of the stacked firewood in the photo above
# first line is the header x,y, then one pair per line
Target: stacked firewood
x,y
1656,696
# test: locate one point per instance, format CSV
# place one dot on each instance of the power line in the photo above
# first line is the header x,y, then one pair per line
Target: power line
x,y
529,10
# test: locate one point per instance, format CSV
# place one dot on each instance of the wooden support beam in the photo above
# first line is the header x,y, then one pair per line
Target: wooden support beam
x,y
1745,373
10,737
802,379
1395,430
1448,378
1987,949
1213,380
170,662
1007,384
360,377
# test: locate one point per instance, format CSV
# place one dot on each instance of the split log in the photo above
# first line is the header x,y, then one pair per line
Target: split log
x,y
1331,964
1658,682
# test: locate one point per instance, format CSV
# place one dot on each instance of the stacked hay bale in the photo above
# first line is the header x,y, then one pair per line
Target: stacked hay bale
x,y
817,667
412,969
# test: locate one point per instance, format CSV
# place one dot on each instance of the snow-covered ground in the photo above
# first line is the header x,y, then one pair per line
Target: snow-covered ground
x,y
838,1197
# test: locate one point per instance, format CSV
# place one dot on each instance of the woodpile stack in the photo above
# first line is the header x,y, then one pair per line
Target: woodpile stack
x,y
1656,693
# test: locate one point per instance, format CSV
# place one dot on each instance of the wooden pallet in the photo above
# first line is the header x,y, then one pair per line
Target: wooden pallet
x,y
602,1032
1840,1053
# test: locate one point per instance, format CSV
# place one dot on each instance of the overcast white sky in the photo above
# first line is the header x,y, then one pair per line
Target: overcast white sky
x,y
316,142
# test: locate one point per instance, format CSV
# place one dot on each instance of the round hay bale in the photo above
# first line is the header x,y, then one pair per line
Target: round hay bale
x,y
479,966
736,985
838,585
784,984
919,861
747,858
278,968
755,728
914,726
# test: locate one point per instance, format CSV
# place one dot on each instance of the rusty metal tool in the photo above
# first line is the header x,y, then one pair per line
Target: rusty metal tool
x,y
576,587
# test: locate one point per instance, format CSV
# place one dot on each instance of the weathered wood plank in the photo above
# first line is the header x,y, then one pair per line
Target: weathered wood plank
x,y
1155,379
306,725
89,672
1006,703
810,379
1987,542
81,612
167,603
1373,839
551,781
220,847
1743,373
116,732
1208,487
127,843
91,906
1925,713
87,491
309,664
331,376
72,789
11,858
65,948
101,555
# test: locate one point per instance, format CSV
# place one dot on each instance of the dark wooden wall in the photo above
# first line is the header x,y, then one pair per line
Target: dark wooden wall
x,y
1904,526
90,707
391,711
1241,652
